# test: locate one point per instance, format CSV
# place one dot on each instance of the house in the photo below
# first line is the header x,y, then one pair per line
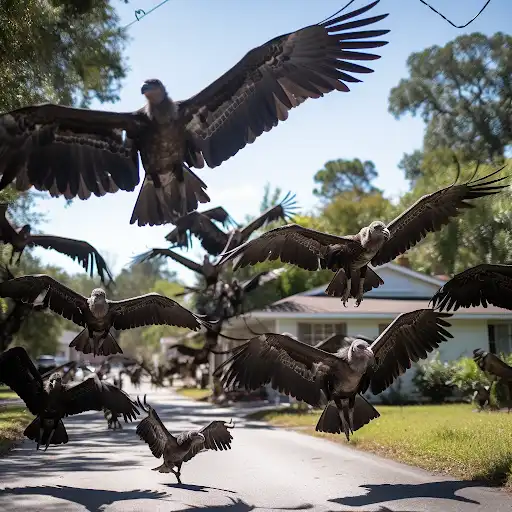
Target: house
x,y
313,316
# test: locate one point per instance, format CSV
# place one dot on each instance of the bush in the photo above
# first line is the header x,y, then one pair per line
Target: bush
x,y
434,379
468,377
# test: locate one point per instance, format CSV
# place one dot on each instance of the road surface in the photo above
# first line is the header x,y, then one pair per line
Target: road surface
x,y
267,469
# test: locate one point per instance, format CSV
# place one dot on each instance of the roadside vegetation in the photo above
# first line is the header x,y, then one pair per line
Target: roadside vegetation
x,y
195,393
13,420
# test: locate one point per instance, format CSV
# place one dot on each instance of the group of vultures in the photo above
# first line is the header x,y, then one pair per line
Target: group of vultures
x,y
75,152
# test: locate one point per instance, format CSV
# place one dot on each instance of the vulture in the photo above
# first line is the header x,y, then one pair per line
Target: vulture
x,y
477,286
492,364
314,376
97,314
378,243
207,269
78,152
214,240
180,448
54,401
337,341
112,417
77,250
482,396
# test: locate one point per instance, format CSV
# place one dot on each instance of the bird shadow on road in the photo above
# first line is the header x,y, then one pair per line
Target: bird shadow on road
x,y
238,505
393,492
92,499
196,488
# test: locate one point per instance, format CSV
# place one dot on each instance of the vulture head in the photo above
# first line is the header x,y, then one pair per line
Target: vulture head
x,y
154,91
25,231
360,354
55,381
374,235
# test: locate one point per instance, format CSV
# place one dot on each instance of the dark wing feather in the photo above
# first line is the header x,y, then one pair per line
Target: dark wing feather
x,y
151,309
257,93
153,432
7,232
477,286
94,395
216,437
335,342
492,364
58,298
261,278
408,339
220,215
291,244
69,151
430,213
78,250
290,366
284,211
158,253
19,373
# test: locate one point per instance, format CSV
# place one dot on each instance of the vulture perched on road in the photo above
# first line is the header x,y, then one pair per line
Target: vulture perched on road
x,y
180,448
54,401
477,286
314,376
78,152
77,250
97,314
214,240
210,271
349,256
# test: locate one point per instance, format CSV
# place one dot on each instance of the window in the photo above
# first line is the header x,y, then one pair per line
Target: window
x,y
382,328
500,338
313,333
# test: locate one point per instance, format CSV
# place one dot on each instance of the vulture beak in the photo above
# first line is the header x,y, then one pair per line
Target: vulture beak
x,y
386,233
369,352
145,87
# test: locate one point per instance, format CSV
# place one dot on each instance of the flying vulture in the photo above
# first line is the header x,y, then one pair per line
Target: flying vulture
x,y
180,448
312,375
207,269
477,286
378,243
53,402
79,152
77,250
97,314
214,240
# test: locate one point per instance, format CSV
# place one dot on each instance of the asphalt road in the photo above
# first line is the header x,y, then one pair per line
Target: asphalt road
x,y
267,469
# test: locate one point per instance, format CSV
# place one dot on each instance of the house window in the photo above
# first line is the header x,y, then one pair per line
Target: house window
x,y
382,328
313,333
501,335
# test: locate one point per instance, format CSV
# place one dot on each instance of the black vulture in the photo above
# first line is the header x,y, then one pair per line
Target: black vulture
x,y
180,448
492,364
378,243
78,250
54,401
97,314
313,375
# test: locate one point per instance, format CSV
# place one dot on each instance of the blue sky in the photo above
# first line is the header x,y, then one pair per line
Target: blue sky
x,y
187,44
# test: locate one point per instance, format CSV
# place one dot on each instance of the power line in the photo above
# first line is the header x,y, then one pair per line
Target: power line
x,y
141,13
451,22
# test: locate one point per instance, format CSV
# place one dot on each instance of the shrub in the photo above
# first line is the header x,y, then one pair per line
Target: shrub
x,y
467,376
434,379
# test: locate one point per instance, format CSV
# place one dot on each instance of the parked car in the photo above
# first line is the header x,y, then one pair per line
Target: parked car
x,y
45,363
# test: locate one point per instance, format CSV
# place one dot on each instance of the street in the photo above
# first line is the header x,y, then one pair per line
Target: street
x,y
266,469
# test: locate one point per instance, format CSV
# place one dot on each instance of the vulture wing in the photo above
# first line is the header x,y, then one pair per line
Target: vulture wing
x,y
492,364
216,437
284,210
19,373
261,278
292,244
257,93
59,298
151,309
430,213
409,338
70,151
78,250
94,395
480,285
158,253
220,215
290,366
153,432
7,232
336,340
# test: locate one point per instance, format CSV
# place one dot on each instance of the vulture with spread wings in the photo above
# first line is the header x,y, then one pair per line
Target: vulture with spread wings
x,y
54,401
78,250
349,256
477,286
214,240
314,376
210,271
79,152
97,314
180,448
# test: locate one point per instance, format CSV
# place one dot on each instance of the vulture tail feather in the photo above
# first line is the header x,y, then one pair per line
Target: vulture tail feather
x,y
32,432
330,420
110,346
338,283
82,342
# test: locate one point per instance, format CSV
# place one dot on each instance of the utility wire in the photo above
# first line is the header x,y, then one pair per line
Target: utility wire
x,y
451,22
141,13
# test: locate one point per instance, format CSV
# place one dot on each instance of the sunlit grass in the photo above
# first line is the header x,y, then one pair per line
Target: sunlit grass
x,y
6,393
194,393
13,420
445,438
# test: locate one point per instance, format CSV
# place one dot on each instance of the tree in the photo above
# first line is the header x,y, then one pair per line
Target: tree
x,y
339,176
463,92
411,165
51,52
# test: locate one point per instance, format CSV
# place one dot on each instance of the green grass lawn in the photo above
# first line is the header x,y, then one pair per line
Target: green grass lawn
x,y
13,420
6,393
444,438
194,393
